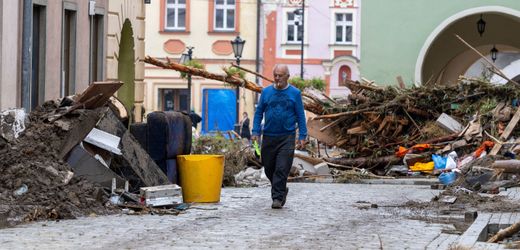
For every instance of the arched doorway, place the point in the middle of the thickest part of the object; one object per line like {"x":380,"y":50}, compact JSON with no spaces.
{"x":126,"y":66}
{"x":444,"y":58}
{"x":344,"y":73}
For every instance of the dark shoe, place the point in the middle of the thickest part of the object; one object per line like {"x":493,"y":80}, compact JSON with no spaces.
{"x":277,"y":204}
{"x":285,"y":196}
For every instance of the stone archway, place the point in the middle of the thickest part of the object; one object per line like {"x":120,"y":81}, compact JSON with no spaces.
{"x":443,"y":57}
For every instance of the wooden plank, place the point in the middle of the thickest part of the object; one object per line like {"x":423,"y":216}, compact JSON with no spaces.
{"x":509,"y":166}
{"x":327,"y":137}
{"x":510,"y":127}
{"x":78,"y":133}
{"x":357,"y":130}
{"x":400,"y":81}
{"x":106,"y":89}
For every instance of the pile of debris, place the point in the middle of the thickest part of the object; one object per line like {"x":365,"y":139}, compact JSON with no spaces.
{"x":237,"y":152}
{"x":35,"y":183}
{"x":61,"y":160}
{"x":438,"y":130}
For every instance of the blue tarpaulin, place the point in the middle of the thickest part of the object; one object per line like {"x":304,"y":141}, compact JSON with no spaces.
{"x":218,"y":109}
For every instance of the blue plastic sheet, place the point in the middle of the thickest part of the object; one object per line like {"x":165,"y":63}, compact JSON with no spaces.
{"x":219,"y":110}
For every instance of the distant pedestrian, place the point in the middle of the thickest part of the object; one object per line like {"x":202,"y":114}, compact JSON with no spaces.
{"x":245,"y":131}
{"x":282,"y":106}
{"x":195,"y":119}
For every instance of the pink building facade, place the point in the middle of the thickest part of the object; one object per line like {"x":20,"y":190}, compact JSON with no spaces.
{"x":331,"y":40}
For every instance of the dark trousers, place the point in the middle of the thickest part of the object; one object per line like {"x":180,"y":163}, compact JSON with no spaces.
{"x":277,"y":158}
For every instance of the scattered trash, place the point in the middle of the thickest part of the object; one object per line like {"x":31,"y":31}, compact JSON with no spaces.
{"x":12,"y":123}
{"x":160,"y":195}
{"x":252,"y":177}
{"x":448,"y":199}
{"x":20,"y":191}
{"x":447,"y":178}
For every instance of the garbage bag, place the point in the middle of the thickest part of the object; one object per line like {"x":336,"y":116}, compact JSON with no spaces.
{"x":439,"y":161}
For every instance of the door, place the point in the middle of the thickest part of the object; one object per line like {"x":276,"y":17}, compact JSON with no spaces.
{"x":218,"y":110}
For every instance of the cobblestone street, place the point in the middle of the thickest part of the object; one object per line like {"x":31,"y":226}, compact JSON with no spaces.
{"x":315,"y":216}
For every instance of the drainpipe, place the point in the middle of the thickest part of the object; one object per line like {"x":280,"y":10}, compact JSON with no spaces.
{"x":27,"y":53}
{"x":257,"y":66}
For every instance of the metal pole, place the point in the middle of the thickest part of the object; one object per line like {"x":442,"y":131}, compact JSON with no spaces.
{"x":238,"y":95}
{"x":190,"y":53}
{"x":303,"y":36}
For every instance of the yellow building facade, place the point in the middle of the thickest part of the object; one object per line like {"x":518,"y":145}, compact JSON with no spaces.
{"x":172,"y":26}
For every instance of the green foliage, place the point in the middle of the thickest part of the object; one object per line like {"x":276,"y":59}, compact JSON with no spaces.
{"x":488,"y":105}
{"x":235,"y":71}
{"x":194,"y":64}
{"x":234,"y":154}
{"x":301,"y":84}
{"x":298,"y":82}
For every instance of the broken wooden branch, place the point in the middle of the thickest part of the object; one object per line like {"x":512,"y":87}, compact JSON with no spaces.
{"x":332,"y":124}
{"x":413,"y":121}
{"x":510,"y":127}
{"x":509,"y":166}
{"x":353,"y":85}
{"x":76,"y":106}
{"x":441,"y":139}
{"x":252,"y":72}
{"x":364,"y":160}
{"x":501,"y":74}
{"x":504,"y":233}
{"x":309,"y":103}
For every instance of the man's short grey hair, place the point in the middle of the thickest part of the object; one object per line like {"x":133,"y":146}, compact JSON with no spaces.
{"x":282,"y":66}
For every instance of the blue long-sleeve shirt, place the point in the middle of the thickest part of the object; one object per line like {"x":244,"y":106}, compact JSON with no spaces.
{"x":283,"y":109}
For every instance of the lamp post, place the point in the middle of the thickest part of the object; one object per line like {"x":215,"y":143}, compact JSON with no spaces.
{"x":302,"y":30}
{"x":186,"y":57}
{"x":238,"y":47}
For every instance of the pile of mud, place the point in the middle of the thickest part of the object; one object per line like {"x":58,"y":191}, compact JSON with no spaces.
{"x":466,"y":201}
{"x":35,"y":184}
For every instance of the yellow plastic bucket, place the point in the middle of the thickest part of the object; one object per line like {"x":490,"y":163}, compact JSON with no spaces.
{"x":201,"y":177}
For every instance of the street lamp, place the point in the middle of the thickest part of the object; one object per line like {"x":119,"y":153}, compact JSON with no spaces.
{"x":494,"y":52}
{"x":481,"y":26}
{"x":238,"y":47}
{"x":185,"y":58}
{"x":301,"y":15}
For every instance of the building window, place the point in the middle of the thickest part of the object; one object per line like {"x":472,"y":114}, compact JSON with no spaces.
{"x":294,"y":32}
{"x":345,"y":73}
{"x":96,"y":51}
{"x":344,"y":27}
{"x":175,"y":14}
{"x":68,"y":60}
{"x":173,"y":99}
{"x":225,"y":15}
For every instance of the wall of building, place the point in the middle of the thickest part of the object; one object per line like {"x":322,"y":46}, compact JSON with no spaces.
{"x":213,"y":49}
{"x":323,"y":56}
{"x":118,"y":12}
{"x":394,"y":33}
{"x":11,"y":48}
{"x":10,"y":23}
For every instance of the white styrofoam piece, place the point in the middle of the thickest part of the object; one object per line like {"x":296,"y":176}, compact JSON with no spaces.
{"x":448,"y":123}
{"x":104,"y":140}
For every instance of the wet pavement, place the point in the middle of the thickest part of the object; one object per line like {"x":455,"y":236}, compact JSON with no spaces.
{"x":316,"y":216}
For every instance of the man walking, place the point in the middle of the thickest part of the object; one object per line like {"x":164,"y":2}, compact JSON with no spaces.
{"x":281,"y":105}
